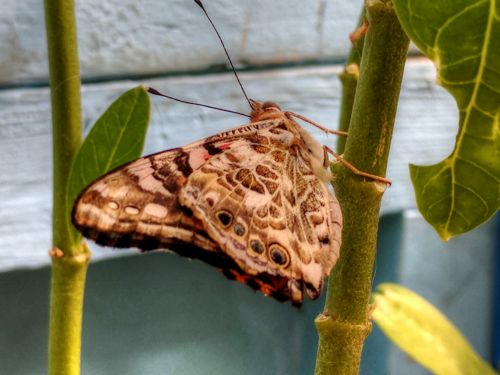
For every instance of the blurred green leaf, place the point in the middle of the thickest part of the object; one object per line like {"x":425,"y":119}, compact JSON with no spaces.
{"x":115,"y":139}
{"x":462,"y":37}
{"x":424,"y":333}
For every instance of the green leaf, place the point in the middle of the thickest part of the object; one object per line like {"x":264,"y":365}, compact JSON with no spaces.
{"x":115,"y":139}
{"x":424,"y":333}
{"x":462,"y":37}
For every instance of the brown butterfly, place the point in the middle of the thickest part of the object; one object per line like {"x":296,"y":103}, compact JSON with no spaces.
{"x":252,"y":201}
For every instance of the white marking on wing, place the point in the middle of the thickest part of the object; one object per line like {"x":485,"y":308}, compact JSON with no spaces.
{"x":155,"y":210}
{"x":131,"y":210}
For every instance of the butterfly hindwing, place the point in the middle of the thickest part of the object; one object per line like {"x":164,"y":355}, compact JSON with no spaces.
{"x":263,"y":203}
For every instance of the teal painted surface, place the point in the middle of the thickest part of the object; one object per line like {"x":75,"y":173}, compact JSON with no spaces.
{"x":376,"y":349}
{"x":162,"y":314}
{"x":24,"y":307}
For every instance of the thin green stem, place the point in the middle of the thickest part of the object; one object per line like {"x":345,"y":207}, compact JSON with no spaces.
{"x":66,"y":108}
{"x":70,"y":258}
{"x":66,"y":305}
{"x":349,"y":79}
{"x":346,"y":321}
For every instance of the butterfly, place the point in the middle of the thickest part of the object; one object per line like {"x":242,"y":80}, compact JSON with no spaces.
{"x":253,"y":201}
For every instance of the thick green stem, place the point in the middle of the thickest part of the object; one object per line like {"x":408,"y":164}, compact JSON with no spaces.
{"x":70,"y":258}
{"x":346,"y":321}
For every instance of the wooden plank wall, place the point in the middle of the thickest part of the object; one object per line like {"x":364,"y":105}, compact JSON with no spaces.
{"x":123,"y":39}
{"x":25,"y":135}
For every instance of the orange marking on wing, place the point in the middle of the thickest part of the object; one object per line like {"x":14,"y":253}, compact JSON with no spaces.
{"x":241,"y":278}
{"x":265,"y":289}
{"x":181,"y":181}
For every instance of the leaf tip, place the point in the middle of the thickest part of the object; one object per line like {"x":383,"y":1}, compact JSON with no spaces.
{"x":444,"y":234}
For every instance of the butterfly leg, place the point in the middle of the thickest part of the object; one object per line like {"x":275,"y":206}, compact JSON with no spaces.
{"x":314,"y":123}
{"x":346,"y":164}
{"x":355,"y":170}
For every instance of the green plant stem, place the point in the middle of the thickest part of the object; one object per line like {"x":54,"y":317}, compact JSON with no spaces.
{"x":346,"y":321}
{"x":66,"y":304}
{"x":70,"y":263}
{"x":349,"y":79}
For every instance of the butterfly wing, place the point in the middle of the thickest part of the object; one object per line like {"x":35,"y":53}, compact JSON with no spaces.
{"x":136,"y":205}
{"x":264,"y":204}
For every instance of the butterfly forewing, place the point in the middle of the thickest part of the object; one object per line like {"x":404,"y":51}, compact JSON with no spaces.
{"x":263,"y":203}
{"x":137,"y":204}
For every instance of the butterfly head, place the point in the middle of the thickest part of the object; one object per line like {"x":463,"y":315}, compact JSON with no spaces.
{"x":264,"y":111}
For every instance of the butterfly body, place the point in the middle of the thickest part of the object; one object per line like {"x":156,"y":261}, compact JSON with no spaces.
{"x":252,"y":201}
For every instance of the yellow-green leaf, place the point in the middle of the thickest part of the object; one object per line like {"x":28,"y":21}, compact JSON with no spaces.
{"x":462,"y":37}
{"x":424,"y":333}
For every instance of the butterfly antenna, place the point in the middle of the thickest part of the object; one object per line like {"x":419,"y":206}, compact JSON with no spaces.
{"x":225,"y":50}
{"x":156,"y":92}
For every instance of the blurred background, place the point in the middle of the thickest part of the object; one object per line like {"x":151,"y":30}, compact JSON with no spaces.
{"x":162,"y":314}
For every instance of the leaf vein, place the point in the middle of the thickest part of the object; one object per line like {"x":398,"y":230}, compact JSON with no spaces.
{"x":460,"y":61}
{"x":470,"y":190}
{"x":458,"y":213}
{"x":483,"y":111}
{"x":492,"y":68}
{"x":480,"y":167}
{"x":492,"y":88}
{"x":431,"y":206}
{"x":454,"y":17}
{"x":457,"y":83}
{"x":430,"y":180}
{"x":122,"y":132}
{"x":466,"y":123}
